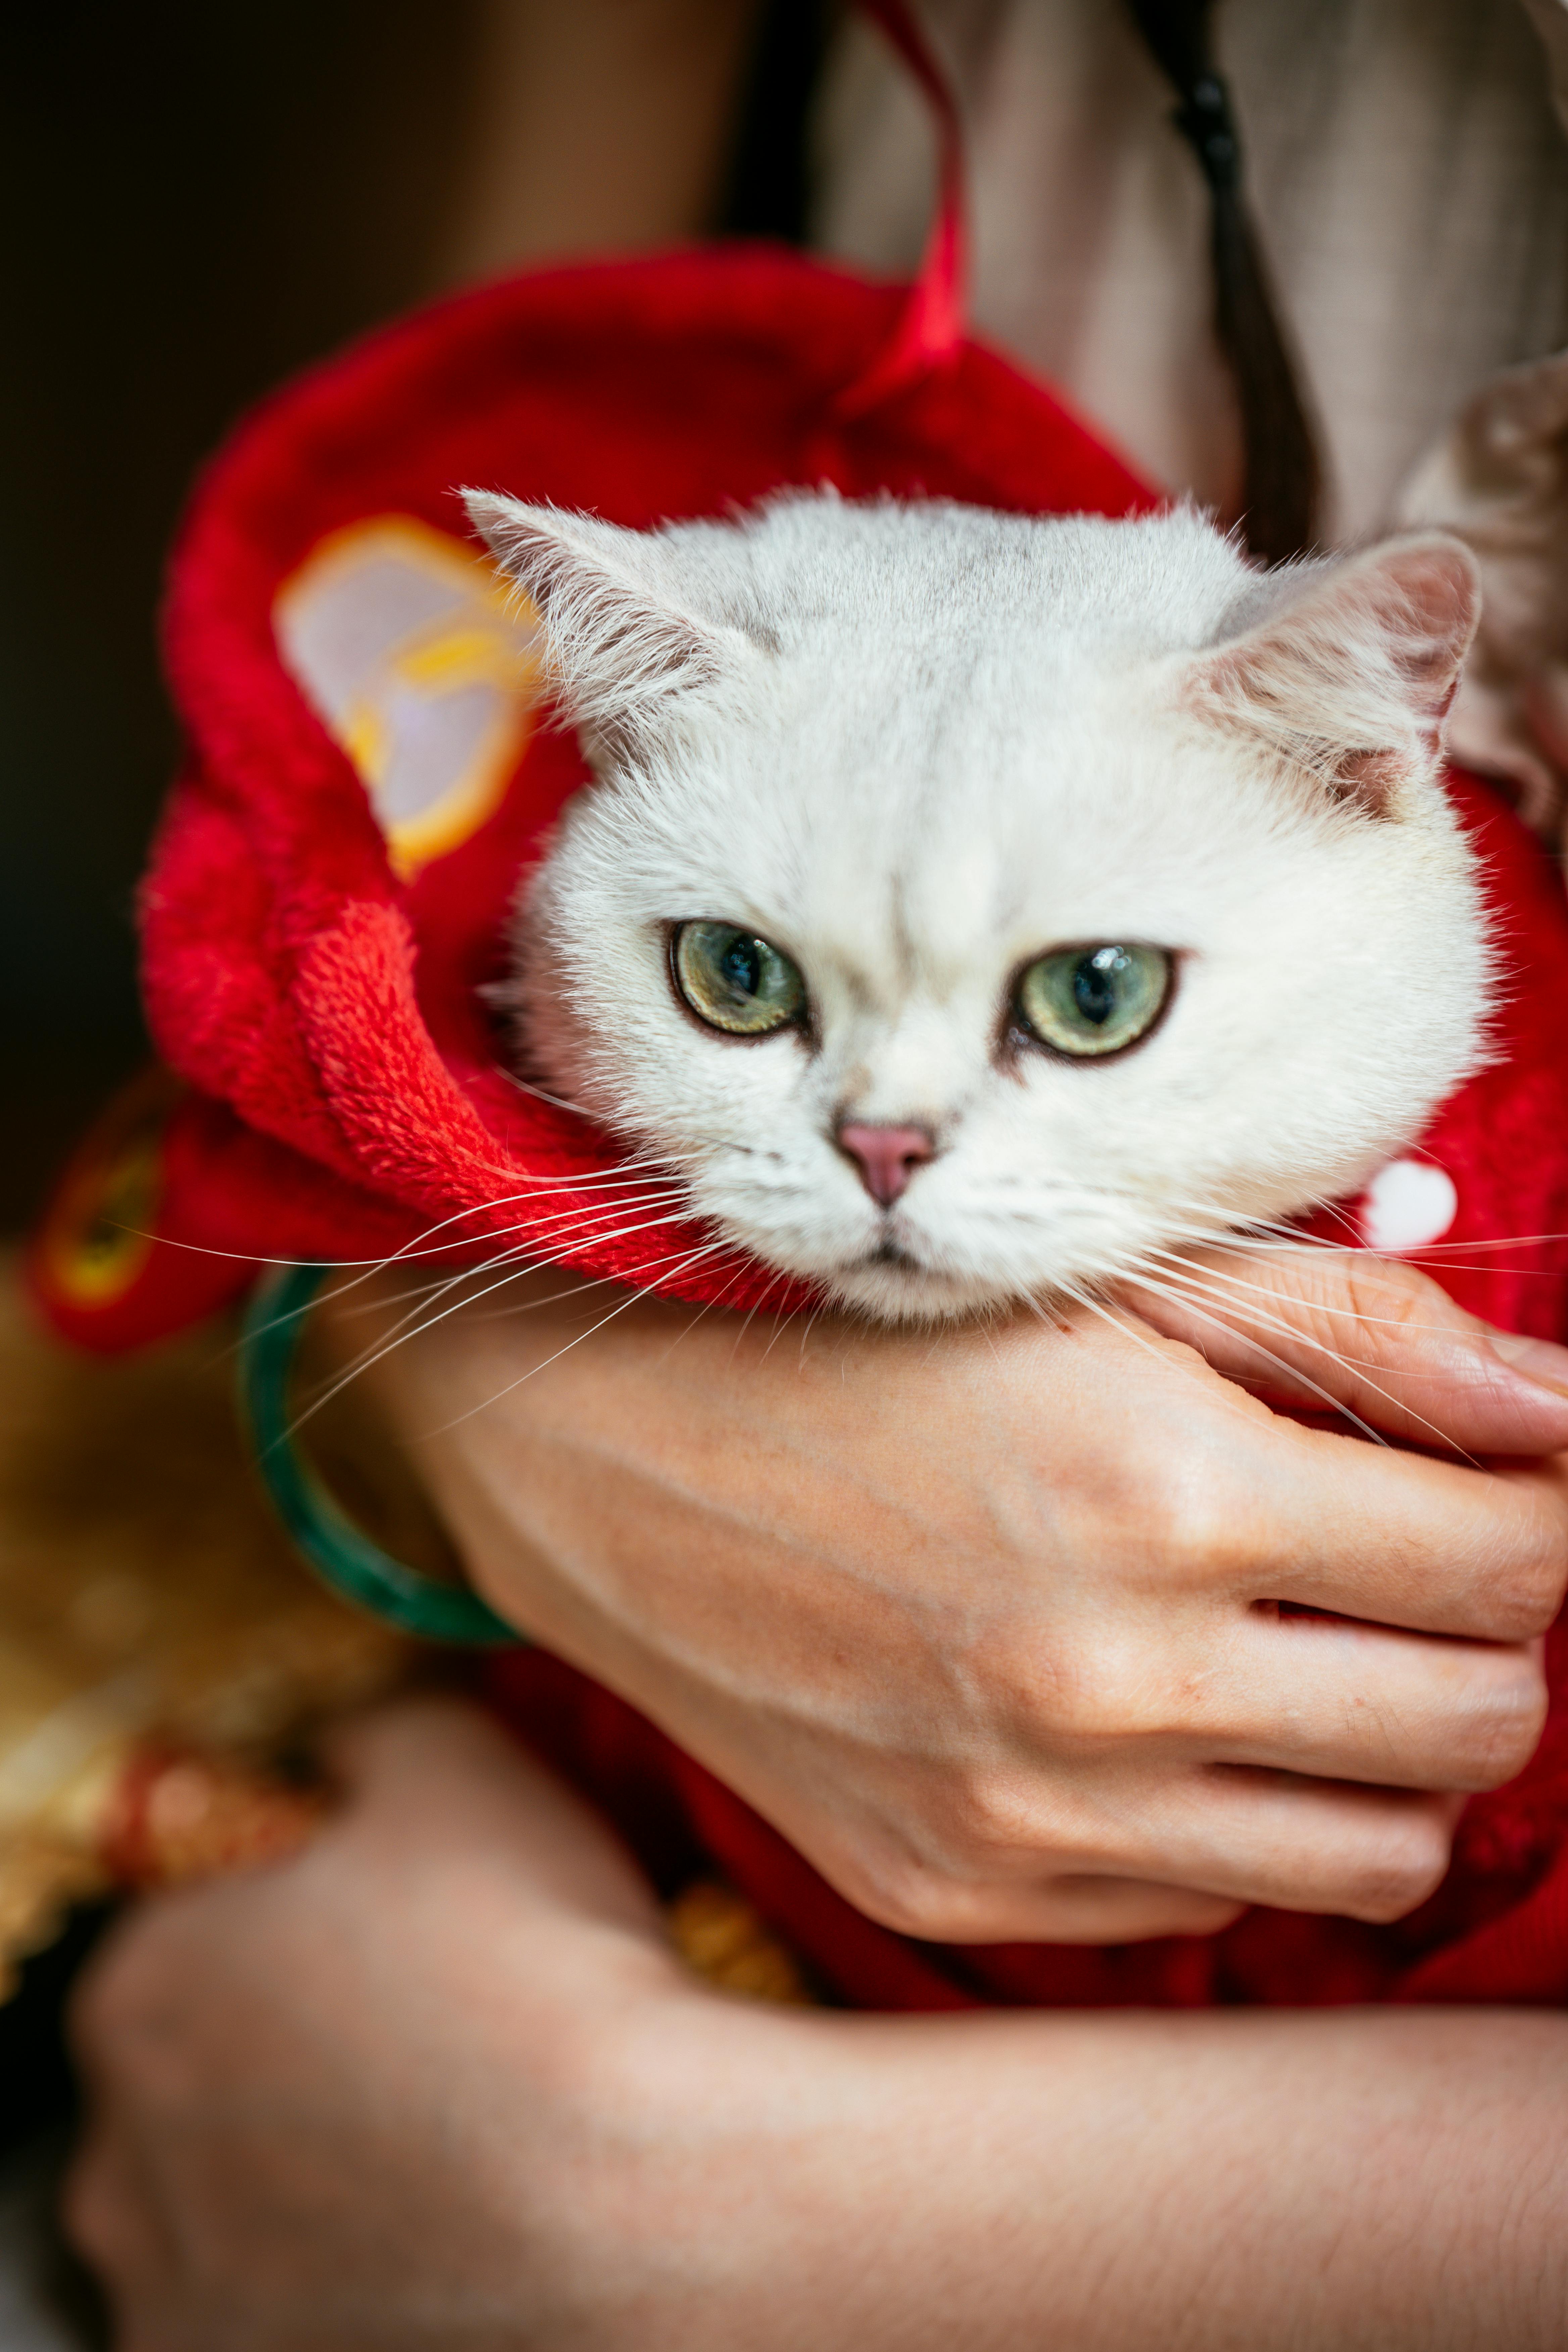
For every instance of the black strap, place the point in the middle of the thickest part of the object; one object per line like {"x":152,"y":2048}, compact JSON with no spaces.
{"x":1282,"y":476}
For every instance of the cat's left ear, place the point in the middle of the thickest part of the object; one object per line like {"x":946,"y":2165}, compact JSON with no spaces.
{"x":1353,"y":679}
{"x":626,"y":649}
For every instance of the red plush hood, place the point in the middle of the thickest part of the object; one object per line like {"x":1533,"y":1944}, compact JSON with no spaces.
{"x":314,"y":972}
{"x":371,"y":769}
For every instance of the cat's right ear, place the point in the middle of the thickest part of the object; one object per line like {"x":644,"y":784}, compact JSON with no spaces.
{"x":624,"y":648}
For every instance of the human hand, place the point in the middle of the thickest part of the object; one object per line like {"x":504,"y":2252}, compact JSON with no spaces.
{"x":378,"y":2096}
{"x":982,"y":1621}
{"x":1499,"y":481}
{"x":440,"y":2082}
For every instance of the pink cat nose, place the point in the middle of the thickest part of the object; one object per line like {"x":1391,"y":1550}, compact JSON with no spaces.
{"x":887,"y":1157}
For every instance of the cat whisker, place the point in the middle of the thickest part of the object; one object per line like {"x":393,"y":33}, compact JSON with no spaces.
{"x":694,"y":1153}
{"x":551,"y":1228}
{"x":555,"y":1298}
{"x":1198,"y":1282}
{"x":536,"y":1233}
{"x":529,"y":1247}
{"x":366,"y":1267}
{"x":409,"y":1327}
{"x":682,"y":1265}
{"x":1366,"y":1278}
{"x":1501,"y":1241}
{"x":716,"y":1300}
{"x":1198,"y":1289}
{"x":1163,"y":1286}
{"x":781,"y":1324}
{"x":1097,"y":1307}
{"x":1222,"y":1277}
{"x":778,"y":1283}
{"x":541,"y":1094}
{"x":810,"y":1326}
{"x":1514,"y":1273}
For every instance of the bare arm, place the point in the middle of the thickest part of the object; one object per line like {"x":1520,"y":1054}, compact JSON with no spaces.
{"x":440,"y":2082}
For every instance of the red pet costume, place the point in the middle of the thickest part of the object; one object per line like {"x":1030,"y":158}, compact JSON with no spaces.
{"x":328,"y":892}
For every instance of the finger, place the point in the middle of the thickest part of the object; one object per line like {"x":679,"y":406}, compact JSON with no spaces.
{"x":1400,"y":1540}
{"x":1297,"y":1845}
{"x":1342,"y":1702}
{"x":1183,"y":1857}
{"x":1098,"y":1899}
{"x":1373,"y":1336}
{"x":1090,"y":1907}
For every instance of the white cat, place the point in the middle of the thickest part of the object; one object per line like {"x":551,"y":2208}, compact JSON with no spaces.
{"x":967,"y":907}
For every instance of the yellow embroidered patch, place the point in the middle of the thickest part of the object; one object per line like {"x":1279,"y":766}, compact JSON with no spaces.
{"x":422,"y":667}
{"x":98,"y":1233}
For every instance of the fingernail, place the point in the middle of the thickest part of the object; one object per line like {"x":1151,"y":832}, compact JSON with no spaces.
{"x":1540,"y":1360}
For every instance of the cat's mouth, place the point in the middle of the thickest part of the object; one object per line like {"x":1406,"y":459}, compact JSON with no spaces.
{"x":899,"y":1285}
{"x":888,"y":1252}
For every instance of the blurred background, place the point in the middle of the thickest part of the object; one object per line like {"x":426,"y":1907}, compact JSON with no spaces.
{"x":198,"y":202}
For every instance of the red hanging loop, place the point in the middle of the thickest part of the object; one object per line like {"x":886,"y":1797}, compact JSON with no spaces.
{"x":931,"y":326}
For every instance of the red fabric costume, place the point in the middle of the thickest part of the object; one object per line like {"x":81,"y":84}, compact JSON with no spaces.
{"x":317,"y":992}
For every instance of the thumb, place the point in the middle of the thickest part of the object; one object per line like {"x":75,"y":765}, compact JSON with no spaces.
{"x":1376,"y":1337}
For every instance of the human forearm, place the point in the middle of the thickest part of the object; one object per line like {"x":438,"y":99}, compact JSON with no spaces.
{"x":1276,"y":2183}
{"x":441,"y":2081}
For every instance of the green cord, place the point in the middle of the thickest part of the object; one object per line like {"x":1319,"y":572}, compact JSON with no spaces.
{"x":340,"y":1553}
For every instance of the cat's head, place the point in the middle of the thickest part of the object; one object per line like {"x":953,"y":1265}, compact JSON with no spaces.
{"x":967,"y":905}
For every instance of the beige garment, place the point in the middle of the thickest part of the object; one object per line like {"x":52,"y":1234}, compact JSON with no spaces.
{"x":1408,"y":171}
{"x":1409,"y":178}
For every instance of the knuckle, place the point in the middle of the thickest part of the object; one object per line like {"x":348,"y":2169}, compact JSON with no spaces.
{"x":1120,"y":1693}
{"x":1101,"y":1695}
{"x":1504,"y":1730}
{"x":982,"y":1822}
{"x":1205,"y":1523}
{"x":913,"y":1899}
{"x":1517,"y":1604}
{"x":1387,"y":1301}
{"x":1085,"y":1698}
{"x":1382,"y":1289}
{"x":980,"y":1863}
{"x":1365,"y":1314}
{"x":1400,"y":1870}
{"x":1528,"y":1592}
{"x":935,"y":1884}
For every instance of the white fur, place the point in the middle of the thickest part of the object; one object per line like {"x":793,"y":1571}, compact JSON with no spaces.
{"x":916,"y":746}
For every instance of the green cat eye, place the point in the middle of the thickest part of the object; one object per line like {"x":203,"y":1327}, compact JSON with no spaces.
{"x":734,"y":980}
{"x":1094,"y":999}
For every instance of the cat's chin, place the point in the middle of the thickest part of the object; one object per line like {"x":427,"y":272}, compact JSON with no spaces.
{"x":891,"y":1288}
